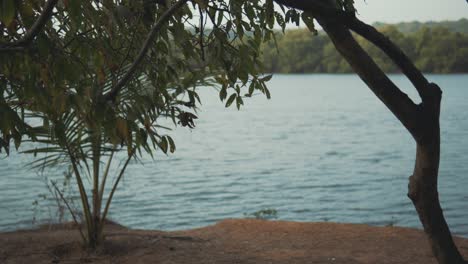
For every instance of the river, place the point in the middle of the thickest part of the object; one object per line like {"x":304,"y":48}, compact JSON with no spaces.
{"x":322,"y":149}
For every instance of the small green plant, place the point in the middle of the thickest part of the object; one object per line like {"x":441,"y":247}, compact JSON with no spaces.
{"x":36,"y":207}
{"x":265,"y":214}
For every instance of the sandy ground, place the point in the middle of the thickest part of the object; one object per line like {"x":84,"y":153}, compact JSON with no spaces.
{"x":229,"y":241}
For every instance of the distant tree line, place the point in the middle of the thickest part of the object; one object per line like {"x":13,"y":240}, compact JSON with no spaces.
{"x":460,"y":25}
{"x":434,"y":49}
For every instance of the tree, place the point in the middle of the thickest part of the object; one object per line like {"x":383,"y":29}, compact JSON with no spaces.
{"x":421,"y":120}
{"x":98,"y":95}
{"x":77,"y":80}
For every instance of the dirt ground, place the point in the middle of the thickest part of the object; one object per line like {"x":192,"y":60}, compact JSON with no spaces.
{"x":230,"y":241}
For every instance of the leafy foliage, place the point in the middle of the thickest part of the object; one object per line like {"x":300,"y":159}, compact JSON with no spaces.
{"x":78,"y":82}
{"x":264,"y":214}
{"x":69,"y":87}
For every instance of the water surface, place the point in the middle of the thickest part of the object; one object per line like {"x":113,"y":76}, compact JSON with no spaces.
{"x":322,"y":149}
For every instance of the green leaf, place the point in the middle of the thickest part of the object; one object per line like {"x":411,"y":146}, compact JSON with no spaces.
{"x":251,"y":88}
{"x":250,"y":12}
{"x":163,"y":144}
{"x":243,"y":74}
{"x":223,"y":93}
{"x":27,"y":13}
{"x":202,"y":3}
{"x":42,"y":150}
{"x":231,"y":99}
{"x":266,"y":78}
{"x":121,"y":128}
{"x":7,"y":11}
{"x":172,"y":146}
{"x":267,"y":92}
{"x":17,"y":139}
{"x":309,"y":21}
{"x":270,"y":15}
{"x":239,"y":102}
{"x":220,"y":18}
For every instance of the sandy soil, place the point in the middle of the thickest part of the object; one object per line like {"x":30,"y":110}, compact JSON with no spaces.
{"x":229,"y":241}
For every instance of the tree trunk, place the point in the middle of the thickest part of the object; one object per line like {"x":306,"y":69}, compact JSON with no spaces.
{"x":422,"y":190}
{"x":94,"y":239}
{"x":422,"y":187}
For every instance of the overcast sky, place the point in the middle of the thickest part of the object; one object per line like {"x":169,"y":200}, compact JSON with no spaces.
{"x":392,"y":11}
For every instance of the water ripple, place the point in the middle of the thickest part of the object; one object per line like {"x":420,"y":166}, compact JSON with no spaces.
{"x":315,"y":152}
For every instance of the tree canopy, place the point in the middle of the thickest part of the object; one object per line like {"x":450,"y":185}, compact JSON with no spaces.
{"x":85,"y":79}
{"x":82,"y":63}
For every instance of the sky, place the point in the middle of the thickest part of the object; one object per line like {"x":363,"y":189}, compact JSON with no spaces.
{"x":392,"y":11}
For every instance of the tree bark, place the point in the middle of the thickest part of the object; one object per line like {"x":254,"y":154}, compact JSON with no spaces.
{"x":422,"y":190}
{"x":422,"y":120}
{"x":422,"y":187}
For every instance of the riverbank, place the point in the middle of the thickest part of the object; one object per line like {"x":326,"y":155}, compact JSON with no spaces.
{"x":229,"y":241}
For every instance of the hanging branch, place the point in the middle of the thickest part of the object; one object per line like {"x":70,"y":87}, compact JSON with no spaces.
{"x":397,"y":101}
{"x":110,"y":96}
{"x":22,"y":43}
{"x":202,"y":46}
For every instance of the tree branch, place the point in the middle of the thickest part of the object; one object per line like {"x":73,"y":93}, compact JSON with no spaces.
{"x":110,"y":96}
{"x":371,"y":34}
{"x":22,"y":43}
{"x":393,"y":52}
{"x":397,"y":101}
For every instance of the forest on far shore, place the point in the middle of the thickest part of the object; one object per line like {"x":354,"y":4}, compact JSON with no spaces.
{"x":435,"y":47}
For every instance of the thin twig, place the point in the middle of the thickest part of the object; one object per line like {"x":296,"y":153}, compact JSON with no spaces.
{"x":77,"y":36}
{"x":127,"y":54}
{"x":69,"y":209}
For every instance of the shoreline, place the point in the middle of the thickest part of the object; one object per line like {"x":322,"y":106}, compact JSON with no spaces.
{"x":228,"y":241}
